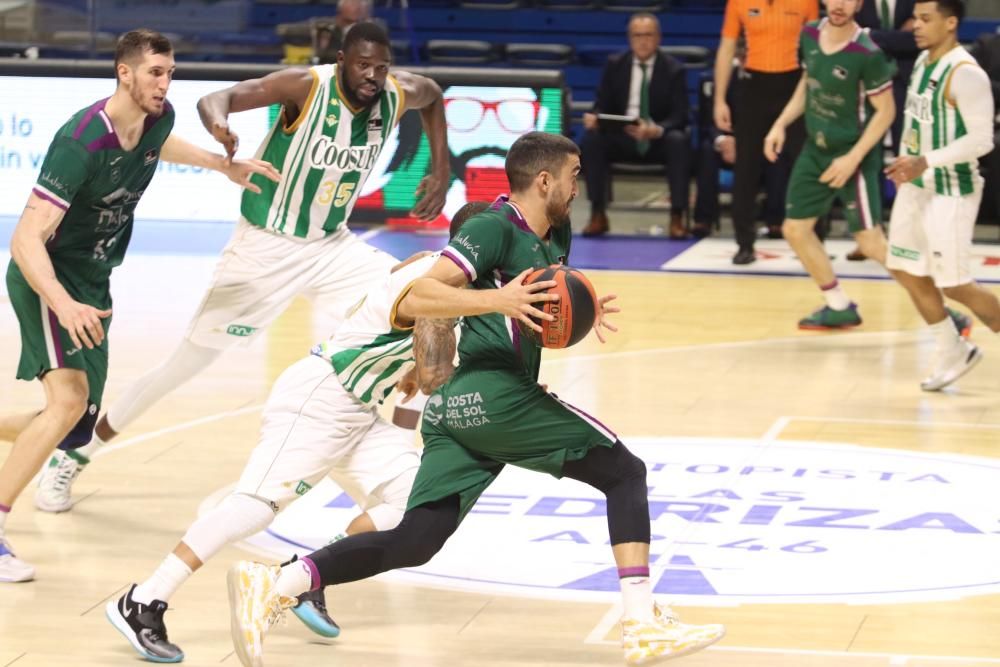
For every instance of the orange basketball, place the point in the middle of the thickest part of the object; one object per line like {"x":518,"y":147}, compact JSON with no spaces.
{"x":575,"y":311}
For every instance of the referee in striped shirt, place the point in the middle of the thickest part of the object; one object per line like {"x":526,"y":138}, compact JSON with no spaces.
{"x":771,"y":29}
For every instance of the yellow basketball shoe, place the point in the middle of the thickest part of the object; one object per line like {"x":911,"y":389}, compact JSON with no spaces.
{"x":665,"y":638}
{"x":254,"y":606}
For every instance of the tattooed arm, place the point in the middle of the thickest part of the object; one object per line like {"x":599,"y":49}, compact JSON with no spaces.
{"x":434,"y":351}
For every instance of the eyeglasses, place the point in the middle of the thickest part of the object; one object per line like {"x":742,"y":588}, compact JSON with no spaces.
{"x":465,"y":114}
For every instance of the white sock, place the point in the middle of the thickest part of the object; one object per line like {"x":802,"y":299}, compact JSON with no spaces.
{"x":637,"y":595}
{"x":3,"y":519}
{"x":186,"y":361}
{"x":165,"y":581}
{"x":295,"y":579}
{"x":835,"y":296}
{"x":88,"y":450}
{"x":946,"y":335}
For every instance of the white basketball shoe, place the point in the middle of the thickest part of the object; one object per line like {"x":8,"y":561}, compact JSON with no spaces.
{"x":55,"y":486}
{"x":12,"y":568}
{"x":952,"y":365}
{"x":254,"y":607}
{"x":665,"y":638}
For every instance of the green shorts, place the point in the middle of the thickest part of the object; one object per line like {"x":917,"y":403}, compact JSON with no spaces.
{"x":482,"y":420}
{"x":45,"y":345}
{"x":861,"y":196}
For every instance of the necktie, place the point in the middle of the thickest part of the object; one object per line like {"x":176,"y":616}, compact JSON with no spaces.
{"x":886,"y":16}
{"x":643,"y":146}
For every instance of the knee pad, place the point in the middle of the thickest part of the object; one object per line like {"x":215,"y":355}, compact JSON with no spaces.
{"x":81,"y":434}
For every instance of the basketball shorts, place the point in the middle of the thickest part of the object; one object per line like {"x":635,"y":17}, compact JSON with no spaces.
{"x":931,"y":235}
{"x":861,"y":196}
{"x":260,"y":273}
{"x":312,"y":427}
{"x":45,"y":345}
{"x":480,"y":421}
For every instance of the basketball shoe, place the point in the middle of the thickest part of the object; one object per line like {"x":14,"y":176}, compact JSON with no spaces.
{"x":254,"y":606}
{"x":311,"y":610}
{"x":55,"y":486}
{"x":828,"y":318}
{"x":142,"y":625}
{"x":12,"y":568}
{"x":665,"y":638}
{"x":951,"y":365}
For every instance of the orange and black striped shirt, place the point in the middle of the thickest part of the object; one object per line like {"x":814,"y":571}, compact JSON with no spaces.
{"x":772,"y":30}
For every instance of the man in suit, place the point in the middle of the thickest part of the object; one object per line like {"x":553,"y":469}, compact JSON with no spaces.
{"x":651,"y":86}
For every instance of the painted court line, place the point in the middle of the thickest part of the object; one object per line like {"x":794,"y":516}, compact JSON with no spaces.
{"x":807,"y":340}
{"x":177,"y":427}
{"x":889,"y":422}
{"x":610,"y":619}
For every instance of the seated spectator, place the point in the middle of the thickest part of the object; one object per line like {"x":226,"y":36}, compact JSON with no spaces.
{"x":328,"y":32}
{"x":650,"y":86}
{"x":325,"y":34}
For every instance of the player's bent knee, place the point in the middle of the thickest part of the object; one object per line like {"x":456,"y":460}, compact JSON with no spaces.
{"x":956,"y":291}
{"x":394,"y":495}
{"x":424,"y":530}
{"x":633,"y":468}
{"x":83,"y":430}
{"x":793,"y":230}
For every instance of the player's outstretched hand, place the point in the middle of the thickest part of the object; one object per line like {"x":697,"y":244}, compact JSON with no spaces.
{"x":839,"y":172}
{"x":601,"y":322}
{"x":240,"y":171}
{"x":222,"y":133}
{"x":774,"y":142}
{"x":83,"y":323}
{"x":431,"y":194}
{"x":515,"y":300}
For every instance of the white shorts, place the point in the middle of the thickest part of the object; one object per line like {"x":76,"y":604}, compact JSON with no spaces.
{"x":931,"y":235}
{"x":260,"y":273}
{"x":312,"y":427}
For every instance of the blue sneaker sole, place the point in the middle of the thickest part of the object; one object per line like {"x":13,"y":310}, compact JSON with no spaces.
{"x":314,"y":622}
{"x":126,"y":634}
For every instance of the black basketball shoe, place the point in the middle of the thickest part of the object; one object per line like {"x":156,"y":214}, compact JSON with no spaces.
{"x":143,"y":627}
{"x":311,"y":610}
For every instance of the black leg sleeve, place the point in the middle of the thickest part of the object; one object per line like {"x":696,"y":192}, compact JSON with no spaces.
{"x":420,"y":535}
{"x":621,"y":476}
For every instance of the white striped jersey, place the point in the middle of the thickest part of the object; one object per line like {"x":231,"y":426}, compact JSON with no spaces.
{"x":368,"y":353}
{"x":931,"y":122}
{"x":324,"y":158}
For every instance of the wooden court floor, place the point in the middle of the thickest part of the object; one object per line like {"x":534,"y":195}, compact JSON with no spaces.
{"x":715,"y":358}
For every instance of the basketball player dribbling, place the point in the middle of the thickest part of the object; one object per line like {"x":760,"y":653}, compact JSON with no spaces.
{"x":517,"y":423}
{"x":320,"y":419}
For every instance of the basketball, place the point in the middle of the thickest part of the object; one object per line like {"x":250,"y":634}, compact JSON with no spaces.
{"x":575,"y":311}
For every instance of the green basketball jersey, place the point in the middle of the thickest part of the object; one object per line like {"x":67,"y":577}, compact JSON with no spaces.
{"x":838,"y":86}
{"x":324,"y":158}
{"x":492,"y":248}
{"x":98,"y":184}
{"x":931,"y":122}
{"x":369,"y":352}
